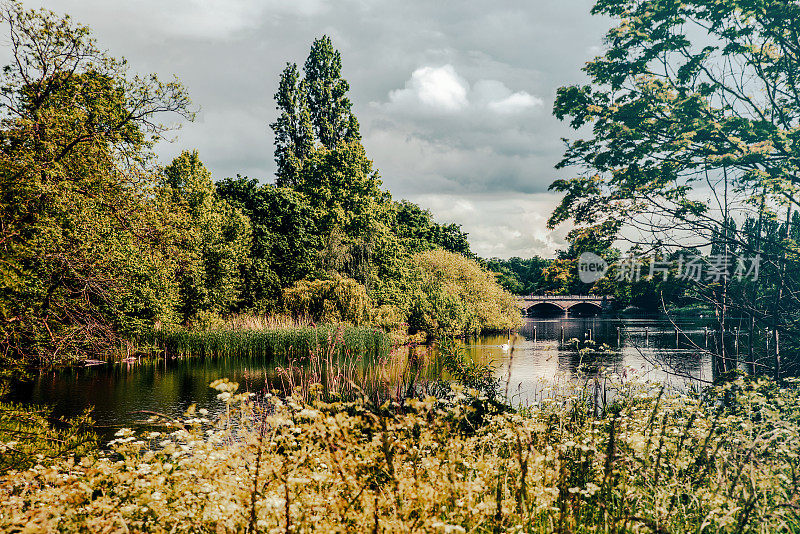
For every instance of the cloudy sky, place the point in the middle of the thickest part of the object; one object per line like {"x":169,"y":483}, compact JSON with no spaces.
{"x":454,"y":98}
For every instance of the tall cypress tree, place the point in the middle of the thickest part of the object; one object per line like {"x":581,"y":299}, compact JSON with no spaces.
{"x":294,"y":133}
{"x":330,"y":108}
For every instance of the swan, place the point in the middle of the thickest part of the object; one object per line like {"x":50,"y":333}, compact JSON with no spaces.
{"x":505,"y":346}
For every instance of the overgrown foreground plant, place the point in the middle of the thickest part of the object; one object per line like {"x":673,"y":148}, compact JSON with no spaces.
{"x":651,"y":462}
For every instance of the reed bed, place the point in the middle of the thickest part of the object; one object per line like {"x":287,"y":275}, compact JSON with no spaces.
{"x":270,"y":342}
{"x":326,"y":374}
{"x":244,"y":321}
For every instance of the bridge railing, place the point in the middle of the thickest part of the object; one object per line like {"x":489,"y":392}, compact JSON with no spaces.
{"x":567,"y":297}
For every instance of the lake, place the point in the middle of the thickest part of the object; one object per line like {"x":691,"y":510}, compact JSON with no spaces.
{"x":648,"y":345}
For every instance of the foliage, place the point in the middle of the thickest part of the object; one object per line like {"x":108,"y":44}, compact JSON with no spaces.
{"x":313,"y":109}
{"x":453,"y":295}
{"x":87,"y":256}
{"x":520,"y":276}
{"x":328,"y":104}
{"x":694,"y":114}
{"x":294,"y":133}
{"x":351,"y":212}
{"x":338,"y":299}
{"x":99,"y":246}
{"x":417,"y":231}
{"x":648,"y":462}
{"x":28,"y":437}
{"x":220,"y":236}
{"x":319,"y":155}
{"x":285,"y":240}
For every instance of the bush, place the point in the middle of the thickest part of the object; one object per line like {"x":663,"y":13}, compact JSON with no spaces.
{"x":205,"y":320}
{"x":336,"y":300}
{"x":453,"y":295}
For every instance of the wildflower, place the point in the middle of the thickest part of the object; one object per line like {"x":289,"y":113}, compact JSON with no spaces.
{"x":308,"y":413}
{"x":449,"y":529}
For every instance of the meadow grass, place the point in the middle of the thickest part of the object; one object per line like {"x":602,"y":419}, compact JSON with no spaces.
{"x":726,"y":461}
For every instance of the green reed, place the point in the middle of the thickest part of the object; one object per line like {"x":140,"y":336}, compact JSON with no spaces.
{"x":270,"y":343}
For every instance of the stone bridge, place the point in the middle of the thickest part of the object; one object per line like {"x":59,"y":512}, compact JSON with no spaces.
{"x":559,"y":304}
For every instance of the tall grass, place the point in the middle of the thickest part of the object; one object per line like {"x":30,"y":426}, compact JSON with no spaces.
{"x":271,"y":341}
{"x":329,"y":375}
{"x":652,"y":462}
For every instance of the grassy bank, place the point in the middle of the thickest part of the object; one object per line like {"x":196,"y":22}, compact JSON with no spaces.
{"x":649,"y":462}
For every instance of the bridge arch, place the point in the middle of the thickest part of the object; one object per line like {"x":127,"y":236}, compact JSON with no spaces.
{"x":559,"y":304}
{"x":545,"y":308}
{"x":585,"y":308}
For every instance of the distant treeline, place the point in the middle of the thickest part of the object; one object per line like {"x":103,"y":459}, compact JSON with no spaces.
{"x":559,"y":276}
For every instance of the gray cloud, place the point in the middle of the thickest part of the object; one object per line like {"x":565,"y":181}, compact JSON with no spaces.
{"x":454,"y":99}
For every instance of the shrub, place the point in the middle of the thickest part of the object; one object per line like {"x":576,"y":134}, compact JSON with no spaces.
{"x":453,"y":295}
{"x":335,"y":300}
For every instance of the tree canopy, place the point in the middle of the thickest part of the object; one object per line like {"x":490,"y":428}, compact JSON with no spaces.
{"x":84,"y":242}
{"x":694,"y":113}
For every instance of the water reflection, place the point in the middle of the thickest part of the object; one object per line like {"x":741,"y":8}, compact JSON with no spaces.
{"x":650,"y":347}
{"x":647,"y":345}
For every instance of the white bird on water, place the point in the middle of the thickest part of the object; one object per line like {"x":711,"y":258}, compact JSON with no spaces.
{"x":505,"y":346}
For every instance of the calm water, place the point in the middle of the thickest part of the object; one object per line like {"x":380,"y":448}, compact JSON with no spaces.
{"x":117,"y":391}
{"x":649,"y":347}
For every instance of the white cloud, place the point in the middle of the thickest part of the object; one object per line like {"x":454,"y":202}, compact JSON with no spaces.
{"x":438,"y":88}
{"x":515,"y":103}
{"x":498,"y":225}
{"x":495,"y":96}
{"x":442,"y":89}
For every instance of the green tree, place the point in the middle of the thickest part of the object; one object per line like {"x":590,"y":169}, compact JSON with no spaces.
{"x":320,"y":156}
{"x":285,"y":241}
{"x":353,"y":214}
{"x":221,"y":239}
{"x":520,"y":276}
{"x":695,"y":113}
{"x":86,"y":257}
{"x":418,"y":231}
{"x":326,"y":90}
{"x":314,"y":111}
{"x":294,"y":133}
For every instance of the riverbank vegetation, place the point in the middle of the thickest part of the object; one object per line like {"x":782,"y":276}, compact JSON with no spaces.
{"x":105,"y":251}
{"x":648,"y":461}
{"x":99,"y":242}
{"x":273,"y":342}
